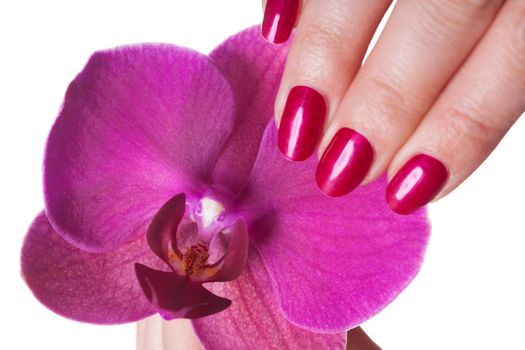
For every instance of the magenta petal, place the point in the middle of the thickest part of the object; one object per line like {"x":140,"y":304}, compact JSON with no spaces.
{"x":234,"y":261}
{"x":254,"y":320}
{"x":254,"y":68}
{"x":175,"y":296}
{"x":138,"y":125}
{"x":334,"y":262}
{"x":95,"y":288}
{"x":161,"y":231}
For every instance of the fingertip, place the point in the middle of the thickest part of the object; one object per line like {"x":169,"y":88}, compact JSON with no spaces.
{"x":416,"y":183}
{"x":302,"y":123}
{"x":345,"y":163}
{"x":279,"y":19}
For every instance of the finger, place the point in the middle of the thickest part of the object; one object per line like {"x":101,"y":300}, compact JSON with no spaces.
{"x":467,"y":122}
{"x":329,"y":44}
{"x":422,"y":45}
{"x":149,"y":333}
{"x":179,"y":334}
{"x":357,"y":339}
{"x":279,"y":19}
{"x":154,"y":333}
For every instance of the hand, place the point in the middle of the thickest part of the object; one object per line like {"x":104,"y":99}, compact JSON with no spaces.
{"x":154,"y":333}
{"x":442,"y":86}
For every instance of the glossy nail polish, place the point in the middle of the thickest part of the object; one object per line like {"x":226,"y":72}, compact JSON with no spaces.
{"x":416,"y":184}
{"x":279,"y":19}
{"x":344,"y":163}
{"x":301,"y":123}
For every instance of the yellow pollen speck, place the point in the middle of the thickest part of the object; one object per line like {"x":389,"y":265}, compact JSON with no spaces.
{"x":194,"y":258}
{"x":173,"y":256}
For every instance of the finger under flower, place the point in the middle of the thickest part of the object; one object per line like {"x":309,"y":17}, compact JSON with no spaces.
{"x":154,"y":333}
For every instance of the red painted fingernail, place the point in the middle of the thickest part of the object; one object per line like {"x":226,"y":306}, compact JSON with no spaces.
{"x":416,"y":184}
{"x":302,"y":123}
{"x":279,"y":18}
{"x":344,"y":163}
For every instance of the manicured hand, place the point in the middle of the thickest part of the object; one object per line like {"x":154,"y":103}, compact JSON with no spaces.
{"x":442,"y":86}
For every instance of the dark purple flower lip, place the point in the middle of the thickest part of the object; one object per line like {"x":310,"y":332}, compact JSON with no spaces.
{"x":200,"y":241}
{"x":177,"y":297}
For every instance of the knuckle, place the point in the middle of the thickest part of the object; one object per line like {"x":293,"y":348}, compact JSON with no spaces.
{"x":387,"y":96}
{"x":470,"y":6}
{"x":473,"y":125}
{"x":458,"y":13}
{"x":320,"y":40}
{"x":514,"y":31}
{"x":477,"y":5}
{"x":320,"y":53}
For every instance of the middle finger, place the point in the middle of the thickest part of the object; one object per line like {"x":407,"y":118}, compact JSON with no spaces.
{"x":423,"y":44}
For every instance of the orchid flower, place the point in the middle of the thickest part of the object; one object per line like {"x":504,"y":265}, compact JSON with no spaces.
{"x":165,"y":193}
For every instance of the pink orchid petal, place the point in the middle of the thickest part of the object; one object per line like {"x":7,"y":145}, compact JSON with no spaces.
{"x":138,"y":125}
{"x":254,"y":68}
{"x":232,"y":264}
{"x":88,"y":287}
{"x":254,"y":320}
{"x":163,"y":227}
{"x":334,"y":262}
{"x":176,"y":296}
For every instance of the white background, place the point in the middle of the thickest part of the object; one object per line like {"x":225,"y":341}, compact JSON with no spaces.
{"x":469,"y":294}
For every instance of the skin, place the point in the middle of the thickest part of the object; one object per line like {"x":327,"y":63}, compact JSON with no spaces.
{"x":154,"y":333}
{"x":446,"y":77}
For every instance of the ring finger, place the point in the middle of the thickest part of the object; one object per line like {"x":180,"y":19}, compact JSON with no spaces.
{"x":422,"y":45}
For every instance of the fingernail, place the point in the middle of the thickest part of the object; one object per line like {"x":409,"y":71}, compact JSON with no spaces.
{"x":416,"y":184}
{"x":302,"y":123}
{"x":279,"y":18}
{"x":344,"y":163}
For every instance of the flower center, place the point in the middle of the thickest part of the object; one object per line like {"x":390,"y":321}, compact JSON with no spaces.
{"x":201,"y":242}
{"x":198,"y":245}
{"x":194,"y":258}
